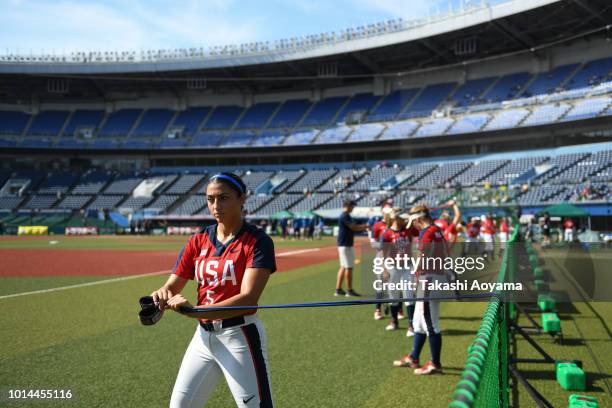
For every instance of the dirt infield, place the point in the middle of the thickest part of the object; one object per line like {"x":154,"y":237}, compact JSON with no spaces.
{"x":65,"y":262}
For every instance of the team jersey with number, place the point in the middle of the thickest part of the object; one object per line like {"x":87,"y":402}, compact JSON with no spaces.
{"x":219,"y":268}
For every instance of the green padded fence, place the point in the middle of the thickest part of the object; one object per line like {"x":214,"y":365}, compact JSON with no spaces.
{"x":484,"y":379}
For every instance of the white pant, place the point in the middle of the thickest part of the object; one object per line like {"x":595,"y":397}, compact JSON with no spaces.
{"x":489,"y":240}
{"x":375,"y":245}
{"x":427,"y":313}
{"x":396,"y":276}
{"x":347,"y":256}
{"x":569,"y":235}
{"x":238,"y":353}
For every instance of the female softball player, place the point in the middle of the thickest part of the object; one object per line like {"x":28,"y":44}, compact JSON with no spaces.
{"x":375,"y":232}
{"x":487,"y":230}
{"x":396,"y":240}
{"x":231,"y":262}
{"x":451,"y":229}
{"x":504,"y":234}
{"x":427,"y":312}
{"x":472,"y":239}
{"x":450,"y":225}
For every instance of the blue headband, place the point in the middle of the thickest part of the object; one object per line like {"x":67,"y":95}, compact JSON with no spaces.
{"x":230,"y":179}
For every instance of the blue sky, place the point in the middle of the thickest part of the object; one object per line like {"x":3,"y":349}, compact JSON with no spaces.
{"x":149,"y":24}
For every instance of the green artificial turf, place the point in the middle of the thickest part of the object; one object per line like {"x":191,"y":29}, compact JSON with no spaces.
{"x":130,"y":243}
{"x":89,"y":340}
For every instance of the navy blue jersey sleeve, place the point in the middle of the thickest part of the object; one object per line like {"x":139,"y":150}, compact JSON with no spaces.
{"x":262,"y":255}
{"x":346,"y":219}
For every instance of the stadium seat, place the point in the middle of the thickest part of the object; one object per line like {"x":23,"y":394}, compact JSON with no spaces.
{"x":222,"y":117}
{"x":470,"y":92}
{"x":119,"y":123}
{"x":434,"y":127}
{"x":507,"y":87}
{"x":82,"y":118}
{"x":48,"y":123}
{"x":392,"y":104}
{"x":13,"y":122}
{"x":257,"y":115}
{"x":360,"y":103}
{"x":548,"y":82}
{"x":289,"y":114}
{"x":269,"y":138}
{"x":429,"y":99}
{"x":190,"y":119}
{"x":324,"y":111}
{"x":153,"y":123}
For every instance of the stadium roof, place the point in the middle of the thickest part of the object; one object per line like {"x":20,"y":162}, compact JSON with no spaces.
{"x":520,"y":26}
{"x":357,"y":39}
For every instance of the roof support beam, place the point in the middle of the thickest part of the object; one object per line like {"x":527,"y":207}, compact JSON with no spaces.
{"x":366,"y":62}
{"x":434,"y":48}
{"x":524,"y":39}
{"x":590,"y":10}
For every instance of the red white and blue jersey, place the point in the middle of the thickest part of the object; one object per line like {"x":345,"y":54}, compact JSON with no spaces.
{"x":473,"y":230}
{"x":443,"y":224}
{"x":449,"y":229}
{"x":219,"y":268}
{"x":397,"y":242}
{"x":378,"y":229}
{"x":433,"y":245}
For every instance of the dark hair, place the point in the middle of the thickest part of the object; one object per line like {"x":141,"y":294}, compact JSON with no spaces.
{"x":349,"y":203}
{"x":231,"y":180}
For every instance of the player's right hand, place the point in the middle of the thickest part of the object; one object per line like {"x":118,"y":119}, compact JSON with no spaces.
{"x":161,"y":297}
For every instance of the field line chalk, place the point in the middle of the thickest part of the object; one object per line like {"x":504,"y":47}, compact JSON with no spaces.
{"x":84,"y":284}
{"x":124,"y":278}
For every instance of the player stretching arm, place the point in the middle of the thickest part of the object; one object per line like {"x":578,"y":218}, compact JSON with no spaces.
{"x":231,"y":262}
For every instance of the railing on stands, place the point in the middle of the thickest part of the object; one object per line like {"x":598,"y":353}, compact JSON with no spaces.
{"x":485,"y":378}
{"x":265,"y":48}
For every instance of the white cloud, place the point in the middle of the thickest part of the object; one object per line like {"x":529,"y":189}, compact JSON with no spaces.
{"x":151,"y":24}
{"x":76,"y":25}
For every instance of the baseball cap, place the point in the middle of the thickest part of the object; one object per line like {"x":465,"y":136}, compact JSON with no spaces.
{"x":349,"y":202}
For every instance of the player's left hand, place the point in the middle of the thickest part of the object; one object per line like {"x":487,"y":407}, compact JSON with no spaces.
{"x":177,"y":301}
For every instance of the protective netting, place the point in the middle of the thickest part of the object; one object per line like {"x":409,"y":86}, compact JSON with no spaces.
{"x":484,"y":380}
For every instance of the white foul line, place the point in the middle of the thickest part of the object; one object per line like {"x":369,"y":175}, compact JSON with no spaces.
{"x":80,"y":285}
{"x":300,"y":251}
{"x":124,"y":278}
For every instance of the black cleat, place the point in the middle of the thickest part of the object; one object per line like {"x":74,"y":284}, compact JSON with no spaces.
{"x":339,"y":292}
{"x":351,"y":292}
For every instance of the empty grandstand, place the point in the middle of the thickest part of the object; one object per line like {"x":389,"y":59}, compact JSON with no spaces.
{"x":401,"y":113}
